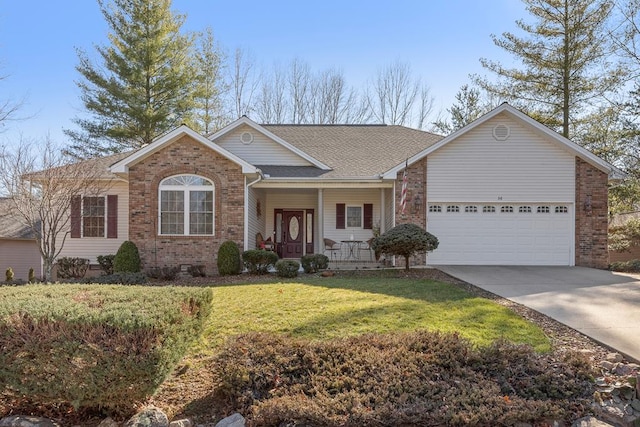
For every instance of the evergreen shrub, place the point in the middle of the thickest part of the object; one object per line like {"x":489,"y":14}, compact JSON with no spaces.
{"x":127,"y":259}
{"x":93,"y":347}
{"x":287,"y":268}
{"x":229,"y":261}
{"x":258,"y":261}
{"x":314,"y":263}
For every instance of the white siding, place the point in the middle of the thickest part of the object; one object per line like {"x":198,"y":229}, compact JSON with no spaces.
{"x":91,"y":247}
{"x":477,"y":167}
{"x":350,"y":198}
{"x":262,"y":151}
{"x":20,"y":255}
{"x":256,"y":225}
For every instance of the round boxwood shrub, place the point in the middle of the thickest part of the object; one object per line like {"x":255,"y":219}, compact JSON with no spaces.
{"x":314,"y":262}
{"x":127,"y":259}
{"x":287,"y":268}
{"x":229,"y":261}
{"x":258,"y":261}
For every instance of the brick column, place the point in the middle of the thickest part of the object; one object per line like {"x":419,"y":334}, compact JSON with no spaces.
{"x":416,"y":188}
{"x":592,"y":212}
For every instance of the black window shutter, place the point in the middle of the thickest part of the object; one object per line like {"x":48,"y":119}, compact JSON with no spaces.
{"x":340,"y":214}
{"x":368,"y":216}
{"x":112,"y":216}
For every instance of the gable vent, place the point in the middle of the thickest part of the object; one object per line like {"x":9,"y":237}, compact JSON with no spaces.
{"x":501,"y":132}
{"x":246,"y":137}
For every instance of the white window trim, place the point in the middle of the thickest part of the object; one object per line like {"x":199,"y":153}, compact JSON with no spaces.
{"x":186,"y":189}
{"x":346,"y":217}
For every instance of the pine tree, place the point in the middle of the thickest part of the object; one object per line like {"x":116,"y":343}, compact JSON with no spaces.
{"x":565,"y":61}
{"x":469,"y":106}
{"x":210,"y":86}
{"x":143,"y":86}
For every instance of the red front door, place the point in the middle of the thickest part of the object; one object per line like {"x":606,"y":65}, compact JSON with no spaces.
{"x":292,"y":234}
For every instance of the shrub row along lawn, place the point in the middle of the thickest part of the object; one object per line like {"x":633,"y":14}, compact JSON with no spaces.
{"x":352,"y":351}
{"x":94,"y":346}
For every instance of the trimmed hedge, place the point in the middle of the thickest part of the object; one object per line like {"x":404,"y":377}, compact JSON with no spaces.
{"x":314,"y":263}
{"x":258,"y":261}
{"x":72,"y":268}
{"x":420,"y":378}
{"x":127,"y":259}
{"x":229,"y":262}
{"x":287,"y":268}
{"x":95,"y":347}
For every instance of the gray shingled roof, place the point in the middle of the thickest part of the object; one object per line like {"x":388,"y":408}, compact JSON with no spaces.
{"x":11,"y":225}
{"x":274,"y":171}
{"x":356,"y":151}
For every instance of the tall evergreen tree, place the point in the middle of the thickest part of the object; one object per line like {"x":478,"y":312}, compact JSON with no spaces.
{"x":210,"y":86}
{"x":143,"y":86}
{"x":469,"y":106}
{"x":565,"y":61}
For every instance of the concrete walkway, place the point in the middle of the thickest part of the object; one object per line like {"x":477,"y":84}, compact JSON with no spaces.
{"x":602,"y":305}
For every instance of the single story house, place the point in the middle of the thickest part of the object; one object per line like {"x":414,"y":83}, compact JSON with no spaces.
{"x":504,"y":190}
{"x":18,"y":248}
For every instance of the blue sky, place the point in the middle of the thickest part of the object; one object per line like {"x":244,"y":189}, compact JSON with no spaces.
{"x":441,"y":39}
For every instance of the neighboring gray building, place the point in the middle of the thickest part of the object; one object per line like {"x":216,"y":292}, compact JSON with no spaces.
{"x":18,"y":248}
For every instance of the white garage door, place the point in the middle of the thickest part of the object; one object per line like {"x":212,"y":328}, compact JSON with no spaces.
{"x":501,"y":234}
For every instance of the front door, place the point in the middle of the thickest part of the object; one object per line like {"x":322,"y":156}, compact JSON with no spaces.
{"x":292,"y":234}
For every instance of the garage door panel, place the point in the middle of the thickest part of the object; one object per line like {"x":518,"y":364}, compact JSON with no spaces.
{"x":526,"y":235}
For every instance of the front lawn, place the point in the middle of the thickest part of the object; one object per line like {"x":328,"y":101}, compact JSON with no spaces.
{"x":328,"y":310}
{"x":324,"y":308}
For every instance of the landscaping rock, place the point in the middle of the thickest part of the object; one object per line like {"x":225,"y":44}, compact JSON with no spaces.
{"x":181,"y":423}
{"x":108,"y":422}
{"x":590,"y":422}
{"x":614,"y":357}
{"x":149,"y":417}
{"x":624,"y":369}
{"x":27,"y":421}
{"x":235,"y":420}
{"x":607,"y":366}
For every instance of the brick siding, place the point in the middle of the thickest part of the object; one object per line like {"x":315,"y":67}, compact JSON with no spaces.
{"x":184,"y":156}
{"x":591,"y":221}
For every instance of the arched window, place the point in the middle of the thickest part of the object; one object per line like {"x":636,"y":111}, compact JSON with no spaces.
{"x":186,"y":205}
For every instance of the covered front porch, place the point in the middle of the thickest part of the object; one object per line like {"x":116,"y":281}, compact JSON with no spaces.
{"x":336,"y":221}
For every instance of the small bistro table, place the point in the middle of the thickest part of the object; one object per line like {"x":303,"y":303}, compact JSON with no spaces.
{"x":351,"y":246}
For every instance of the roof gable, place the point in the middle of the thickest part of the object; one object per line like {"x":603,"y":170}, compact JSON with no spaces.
{"x":525,"y":120}
{"x":122,"y":166}
{"x":290,"y":154}
{"x":356,"y":151}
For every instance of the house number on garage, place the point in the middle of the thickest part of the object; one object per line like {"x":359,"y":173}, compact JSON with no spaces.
{"x":499,"y":197}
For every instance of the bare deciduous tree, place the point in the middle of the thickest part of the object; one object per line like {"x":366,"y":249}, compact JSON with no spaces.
{"x":41,"y":183}
{"x":243,"y":83}
{"x":299,"y":80}
{"x":392,"y":95}
{"x":271,"y":106}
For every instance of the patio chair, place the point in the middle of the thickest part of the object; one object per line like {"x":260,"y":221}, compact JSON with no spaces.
{"x":366,"y":246}
{"x":334,"y":248}
{"x":267,"y":245}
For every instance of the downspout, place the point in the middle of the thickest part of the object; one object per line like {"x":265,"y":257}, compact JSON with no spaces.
{"x":246,"y":205}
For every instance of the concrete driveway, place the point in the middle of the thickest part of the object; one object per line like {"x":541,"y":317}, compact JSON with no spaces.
{"x":602,"y":305}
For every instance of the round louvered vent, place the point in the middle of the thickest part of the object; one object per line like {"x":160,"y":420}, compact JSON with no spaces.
{"x":246,"y":137}
{"x":501,"y":132}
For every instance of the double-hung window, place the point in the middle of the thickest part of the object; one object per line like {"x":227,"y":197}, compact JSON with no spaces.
{"x":186,"y":206}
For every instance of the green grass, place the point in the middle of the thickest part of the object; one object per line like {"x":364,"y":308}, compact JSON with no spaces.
{"x":324,"y":308}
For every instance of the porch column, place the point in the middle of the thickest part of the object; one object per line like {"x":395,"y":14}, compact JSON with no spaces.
{"x":383,"y":211}
{"x":320,"y":219}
